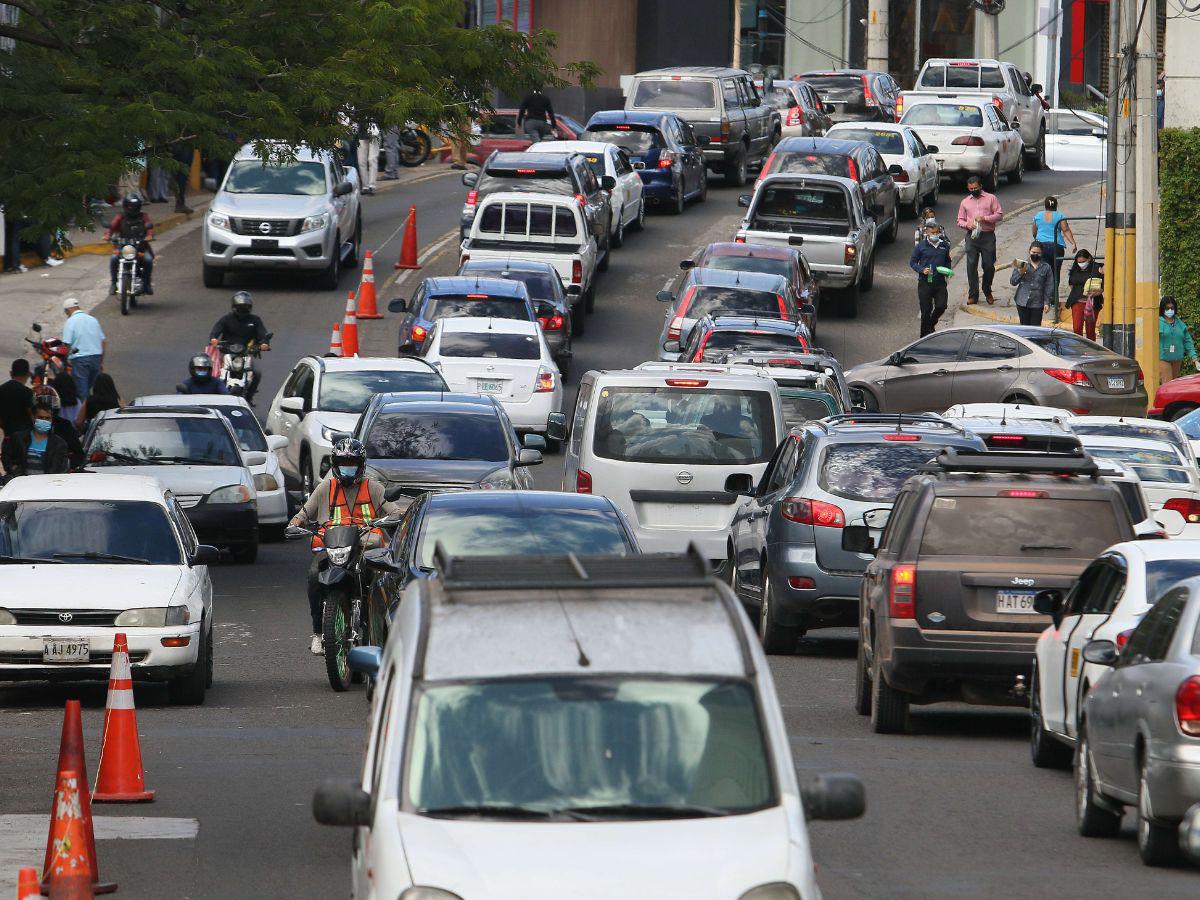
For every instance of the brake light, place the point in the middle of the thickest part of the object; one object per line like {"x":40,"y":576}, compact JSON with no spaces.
{"x":900,"y":177}
{"x":868,"y":97}
{"x":1186,"y":507}
{"x":545,"y":381}
{"x":766,"y":167}
{"x":666,"y":159}
{"x":551,"y":323}
{"x":1141,"y":379}
{"x":853,"y":170}
{"x":1023,"y":494}
{"x":1187,"y":706}
{"x":901,"y":437}
{"x":526,"y":171}
{"x":899,"y":107}
{"x":849,"y":254}
{"x":1068,"y":376}
{"x":419,"y":333}
{"x":472,"y":196}
{"x":687,"y":382}
{"x":812,"y":512}
{"x":998,"y":103}
{"x":477,"y":296}
{"x":621,"y":127}
{"x":795,"y":116}
{"x":1123,"y":639}
{"x":968,"y":141}
{"x":902,"y":593}
{"x":576,"y":272}
{"x":740,"y":239}
{"x":1007,"y":439}
{"x":583,"y":482}
{"x":723,"y":136}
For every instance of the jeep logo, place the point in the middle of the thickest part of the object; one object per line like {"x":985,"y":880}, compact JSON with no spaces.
{"x":1023,"y":582}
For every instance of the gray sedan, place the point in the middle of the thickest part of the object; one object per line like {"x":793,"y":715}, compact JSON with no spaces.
{"x":1139,"y":740}
{"x":1007,"y":364}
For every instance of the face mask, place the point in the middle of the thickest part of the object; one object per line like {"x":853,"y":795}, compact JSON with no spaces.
{"x":1034,"y":257}
{"x":41,"y":426}
{"x":345,"y":473}
{"x":1170,"y":313}
{"x":935,"y":239}
{"x":1082,"y":263}
{"x":976,"y":192}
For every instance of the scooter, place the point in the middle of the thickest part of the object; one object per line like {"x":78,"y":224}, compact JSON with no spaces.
{"x":130,"y":255}
{"x":415,"y":146}
{"x":53,"y":352}
{"x":237,"y":366}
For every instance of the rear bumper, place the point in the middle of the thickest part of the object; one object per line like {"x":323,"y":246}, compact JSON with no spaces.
{"x":972,"y":665}
{"x":720,"y":154}
{"x":834,"y":276}
{"x":224,"y":524}
{"x":831,"y":602}
{"x":1175,"y":781}
{"x":531,"y":414}
{"x":1091,"y":400}
{"x":658,"y":185}
{"x":975,"y":161}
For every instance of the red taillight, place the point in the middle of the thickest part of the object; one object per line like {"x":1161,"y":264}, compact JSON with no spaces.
{"x":1023,"y":494}
{"x":472,"y":196}
{"x":901,"y":437}
{"x":1141,"y":378}
{"x":724,"y":129}
{"x":783,"y":313}
{"x":1006,"y":439}
{"x":666,"y":159}
{"x":853,"y":170}
{"x":800,"y":583}
{"x":899,"y":107}
{"x":868,"y":97}
{"x":766,"y":167}
{"x":1187,"y":706}
{"x":902,"y":593}
{"x":465,"y":258}
{"x":795,"y":116}
{"x":477,"y":296}
{"x":97,"y":456}
{"x":848,"y":255}
{"x":812,"y":512}
{"x":545,"y":381}
{"x":968,"y":141}
{"x":526,"y":171}
{"x":551,"y":323}
{"x":419,"y":333}
{"x":675,"y":328}
{"x":1068,"y":376}
{"x":576,"y":272}
{"x":740,"y":239}
{"x":1186,"y":507}
{"x":998,"y":103}
{"x":583,"y":482}
{"x":621,"y":127}
{"x":900,"y":177}
{"x":1123,"y":637}
{"x":687,"y":382}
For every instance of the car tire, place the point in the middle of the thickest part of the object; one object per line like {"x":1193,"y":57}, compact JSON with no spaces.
{"x":931,"y":199}
{"x":676,"y":207}
{"x":847,"y":306}
{"x":213,"y":277}
{"x":244,"y":554}
{"x":862,"y":681}
{"x":991,"y":178}
{"x":870,"y":401}
{"x":272,"y":534}
{"x":1091,"y":819}
{"x":1017,"y":175}
{"x":639,"y":223}
{"x":1178,"y":412}
{"x":914,"y":211}
{"x":775,"y":638}
{"x":1046,"y":751}
{"x":617,"y":239}
{"x":308,"y":478}
{"x":332,"y":274}
{"x":735,"y":169}
{"x":1158,"y":844}
{"x":889,"y":707}
{"x":606,"y":255}
{"x":868,"y":278}
{"x":354,"y":258}
{"x":703,"y":194}
{"x":564,"y":367}
{"x":189,"y":690}
{"x":1038,"y":161}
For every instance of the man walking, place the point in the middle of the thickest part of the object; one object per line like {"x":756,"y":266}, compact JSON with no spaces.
{"x":391,"y":154}
{"x":536,"y":116}
{"x":978,"y":215}
{"x":931,"y":253}
{"x":86,"y":339}
{"x":368,"y":159}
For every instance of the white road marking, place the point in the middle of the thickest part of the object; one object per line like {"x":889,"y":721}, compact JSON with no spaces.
{"x":398,"y":276}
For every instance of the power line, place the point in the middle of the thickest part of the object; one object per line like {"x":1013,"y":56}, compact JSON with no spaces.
{"x":1036,"y":32}
{"x":782,"y":21}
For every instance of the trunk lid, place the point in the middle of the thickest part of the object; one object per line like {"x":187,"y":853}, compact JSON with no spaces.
{"x":993,"y":594}
{"x":1111,"y":375}
{"x":504,"y":379}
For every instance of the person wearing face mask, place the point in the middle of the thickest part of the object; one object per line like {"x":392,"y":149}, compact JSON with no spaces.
{"x":38,"y":450}
{"x":1052,"y":230}
{"x":932,"y":252}
{"x":1035,"y":286}
{"x":1174,"y":341}
{"x":1084,"y":268}
{"x":919,"y":232}
{"x":978,"y":215}
{"x":241,"y":326}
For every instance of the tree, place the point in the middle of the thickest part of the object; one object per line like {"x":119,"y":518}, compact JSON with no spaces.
{"x":93,"y":87}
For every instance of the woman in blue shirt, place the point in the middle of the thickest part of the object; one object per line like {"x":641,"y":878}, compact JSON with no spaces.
{"x":1052,"y":231}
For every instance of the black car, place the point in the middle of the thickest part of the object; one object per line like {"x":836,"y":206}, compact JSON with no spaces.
{"x":856,"y":95}
{"x":715,"y":336}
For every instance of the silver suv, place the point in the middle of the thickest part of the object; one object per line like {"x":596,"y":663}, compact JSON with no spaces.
{"x":302,"y":214}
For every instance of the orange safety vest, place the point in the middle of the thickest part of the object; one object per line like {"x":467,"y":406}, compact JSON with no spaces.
{"x":342,"y":513}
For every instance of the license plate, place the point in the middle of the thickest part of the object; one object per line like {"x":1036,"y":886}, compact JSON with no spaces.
{"x":66,"y":650}
{"x":489,"y":387}
{"x":1116,"y":382}
{"x":1015,"y":602}
{"x":264,"y":243}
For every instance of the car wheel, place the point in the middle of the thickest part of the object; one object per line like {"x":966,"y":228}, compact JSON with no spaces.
{"x":1158,"y":845}
{"x":889,"y":707}
{"x":1038,"y":162}
{"x":618,"y":237}
{"x":774,"y":637}
{"x":915,"y":210}
{"x":245,"y":554}
{"x":553,"y":445}
{"x":640,"y":222}
{"x":272,"y":534}
{"x":308,"y":479}
{"x":1178,"y":412}
{"x":735,"y":169}
{"x":931,"y":199}
{"x":991,"y":179}
{"x":676,"y":207}
{"x":1045,"y":750}
{"x":1017,"y":175}
{"x":703,"y":195}
{"x":332,"y":273}
{"x":354,"y":258}
{"x":1092,"y":819}
{"x":208,"y":660}
{"x":862,"y":680}
{"x":848,"y":301}
{"x":213,"y":277}
{"x":868,"y":278}
{"x":189,"y":690}
{"x":870,"y":401}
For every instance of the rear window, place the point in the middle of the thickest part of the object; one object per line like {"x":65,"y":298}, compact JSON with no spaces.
{"x":541,"y":181}
{"x":1126,"y":429}
{"x":633,"y":139}
{"x":1150,"y":465}
{"x":787,"y":203}
{"x":1134,"y":501}
{"x":541,"y":285}
{"x":720,"y":342}
{"x":461,"y":306}
{"x":490,"y":345}
{"x":798,"y":410}
{"x":951,"y":115}
{"x":691,"y":425}
{"x":781,"y":98}
{"x":874,"y":471}
{"x":520,"y":220}
{"x":963,"y":75}
{"x":1068,"y":346}
{"x":717,"y":300}
{"x":750,"y":264}
{"x":1034,"y":527}
{"x":840,"y":87}
{"x":669,"y":93}
{"x":890,"y":142}
{"x":811,"y":164}
{"x":425,"y":434}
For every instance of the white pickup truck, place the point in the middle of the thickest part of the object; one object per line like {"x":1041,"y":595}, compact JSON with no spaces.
{"x":999,"y":82}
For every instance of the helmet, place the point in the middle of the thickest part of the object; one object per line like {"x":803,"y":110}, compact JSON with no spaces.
{"x":348,"y":454}
{"x":242,"y":300}
{"x":200,"y":366}
{"x":132,"y":205}
{"x":46,"y":397}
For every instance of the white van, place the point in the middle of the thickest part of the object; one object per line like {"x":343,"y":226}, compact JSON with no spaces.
{"x":660,"y":441}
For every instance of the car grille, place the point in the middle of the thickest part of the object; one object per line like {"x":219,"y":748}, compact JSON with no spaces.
{"x":188,"y":500}
{"x":264,"y":251}
{"x":275,"y":227}
{"x":89,"y":617}
{"x":35,"y":657}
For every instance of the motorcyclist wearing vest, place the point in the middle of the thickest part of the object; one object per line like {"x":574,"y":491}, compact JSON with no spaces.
{"x":132,"y":225}
{"x":345,"y":496}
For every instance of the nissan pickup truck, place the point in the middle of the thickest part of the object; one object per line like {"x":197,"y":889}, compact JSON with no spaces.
{"x":826,"y":216}
{"x":1000,"y":83}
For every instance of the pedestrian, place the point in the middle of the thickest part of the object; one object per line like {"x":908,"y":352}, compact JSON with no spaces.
{"x":1052,"y":230}
{"x":37,"y":450}
{"x":930,"y":254}
{"x":158,"y":185}
{"x":1174,"y":341}
{"x":68,"y":394}
{"x":368,"y":159}
{"x":536,"y":116}
{"x":1083,"y":269}
{"x":16,"y":398}
{"x":978,"y":215}
{"x":86,"y":340}
{"x":61,"y":425}
{"x":391,"y":154}
{"x":103,"y":397}
{"x":919,"y":232}
{"x":1035,"y":286}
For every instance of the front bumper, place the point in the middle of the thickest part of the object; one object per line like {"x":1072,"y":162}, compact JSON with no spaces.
{"x":225,"y":250}
{"x":832,"y":601}
{"x":224,"y":524}
{"x":21,"y":652}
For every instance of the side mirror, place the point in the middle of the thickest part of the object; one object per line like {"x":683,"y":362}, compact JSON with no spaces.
{"x":931,"y":149}
{"x":1016,"y":125}
{"x":664,"y":297}
{"x":338,"y":802}
{"x":740,"y":483}
{"x":1049,"y":603}
{"x":795,"y":240}
{"x":895,"y":169}
{"x":833,"y":797}
{"x":574,"y":290}
{"x":343,"y":188}
{"x":398,"y":305}
{"x":365,"y":660}
{"x":253,"y":459}
{"x":703,"y":140}
{"x":379,"y":559}
{"x":293,"y":405}
{"x":534,"y":442}
{"x":470,"y":179}
{"x":671,"y":347}
{"x":276,"y":442}
{"x":1100,"y":133}
{"x":686,"y":264}
{"x":857,"y":539}
{"x":744,"y":201}
{"x":205,"y":555}
{"x":556,"y":426}
{"x":896,"y":359}
{"x":608,"y":182}
{"x":1102,"y":653}
{"x":394,"y":493}
{"x":529,"y":457}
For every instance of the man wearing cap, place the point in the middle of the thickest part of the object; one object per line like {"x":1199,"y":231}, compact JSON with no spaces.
{"x":931,"y":253}
{"x":86,"y":339}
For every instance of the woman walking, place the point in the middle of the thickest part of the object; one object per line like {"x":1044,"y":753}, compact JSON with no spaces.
{"x":1052,"y":231}
{"x":103,"y":396}
{"x":1085,"y":268}
{"x":1174,"y":341}
{"x":1035,"y":286}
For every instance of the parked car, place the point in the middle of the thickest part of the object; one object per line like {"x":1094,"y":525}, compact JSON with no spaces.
{"x":676,"y":763}
{"x":1007,"y":364}
{"x":713,"y":336}
{"x":800,"y":109}
{"x":664,"y":150}
{"x":1176,"y":398}
{"x":324,"y":397}
{"x":302,"y":214}
{"x":1007,"y":411}
{"x":1076,"y":141}
{"x":855,"y":95}
{"x":498,"y":132}
{"x":609,"y":161}
{"x":971,"y":137}
{"x":720,"y":104}
{"x":1169,"y":478}
{"x":557,"y":309}
{"x":462,"y":296}
{"x":912,"y":164}
{"x":125,"y":559}
{"x":768,"y":259}
{"x":1133,"y":427}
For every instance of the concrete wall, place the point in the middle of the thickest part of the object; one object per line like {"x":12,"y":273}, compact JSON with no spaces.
{"x":1182,"y":71}
{"x":600,"y":32}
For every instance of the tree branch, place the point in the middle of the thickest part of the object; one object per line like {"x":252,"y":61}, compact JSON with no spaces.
{"x":21,"y":36}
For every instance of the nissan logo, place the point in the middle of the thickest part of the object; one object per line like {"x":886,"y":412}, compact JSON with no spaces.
{"x":65,"y":617}
{"x":264,"y":227}
{"x":1023,"y":582}
{"x":683,"y":477}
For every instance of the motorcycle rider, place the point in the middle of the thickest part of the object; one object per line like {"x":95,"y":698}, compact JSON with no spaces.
{"x":241,"y":326}
{"x":132,"y":225}
{"x":345,"y":496}
{"x":200,"y":378}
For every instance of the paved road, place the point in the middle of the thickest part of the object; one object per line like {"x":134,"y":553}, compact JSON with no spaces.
{"x":954,"y":810}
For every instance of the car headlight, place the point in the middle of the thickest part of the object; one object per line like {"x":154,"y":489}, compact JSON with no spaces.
{"x":315,"y":223}
{"x":128,"y":252}
{"x":417,"y":892}
{"x":153,"y":617}
{"x":231,"y":493}
{"x":776,"y":891}
{"x":327,"y":434}
{"x":264,"y":482}
{"x":7,"y":618}
{"x":338,"y":555}
{"x":218,"y":220}
{"x":501,"y":479}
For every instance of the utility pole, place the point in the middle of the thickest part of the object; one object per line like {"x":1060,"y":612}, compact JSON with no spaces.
{"x":1109,"y":320}
{"x":1121,"y":264}
{"x":1146,"y":184}
{"x":737,"y":34}
{"x":877,"y":35}
{"x":989,"y":35}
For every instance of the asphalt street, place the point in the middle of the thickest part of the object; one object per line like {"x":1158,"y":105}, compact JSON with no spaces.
{"x":956,"y":809}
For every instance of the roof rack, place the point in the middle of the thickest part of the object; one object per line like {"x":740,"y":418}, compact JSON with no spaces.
{"x":1015,"y":461}
{"x":899,"y":420}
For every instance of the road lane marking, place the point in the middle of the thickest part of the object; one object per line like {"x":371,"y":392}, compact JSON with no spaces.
{"x":398,"y":276}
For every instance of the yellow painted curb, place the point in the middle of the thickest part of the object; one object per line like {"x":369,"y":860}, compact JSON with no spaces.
{"x":103,"y":248}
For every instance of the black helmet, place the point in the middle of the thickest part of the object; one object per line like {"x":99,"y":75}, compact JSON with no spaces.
{"x":200,"y":365}
{"x":132,"y":205}
{"x":242,"y":300}
{"x":350,"y":454}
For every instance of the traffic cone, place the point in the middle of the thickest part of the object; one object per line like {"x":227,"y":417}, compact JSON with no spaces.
{"x":408,"y":246}
{"x":335,"y":340}
{"x":27,"y":884}
{"x":70,"y":872}
{"x":71,"y":759}
{"x":120,"y":779}
{"x":350,"y":328}
{"x":366,"y":291}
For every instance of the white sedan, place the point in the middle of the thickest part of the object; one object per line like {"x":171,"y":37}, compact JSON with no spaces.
{"x":914,"y":166}
{"x":503,"y":358}
{"x":1169,"y":477}
{"x":1076,"y":141}
{"x":971,"y":137}
{"x":628,"y":205}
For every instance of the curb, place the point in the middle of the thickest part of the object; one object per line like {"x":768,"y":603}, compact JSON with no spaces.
{"x":103,"y":248}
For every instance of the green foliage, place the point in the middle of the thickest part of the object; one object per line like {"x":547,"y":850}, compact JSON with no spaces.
{"x":95,"y":86}
{"x":1178,"y":236}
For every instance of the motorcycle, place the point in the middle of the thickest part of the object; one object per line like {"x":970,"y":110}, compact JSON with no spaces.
{"x":130,"y":254}
{"x":53,"y":352}
{"x":237,"y":365}
{"x":415,"y":146}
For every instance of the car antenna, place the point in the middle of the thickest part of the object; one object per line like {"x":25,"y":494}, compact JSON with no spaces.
{"x":583,"y":576}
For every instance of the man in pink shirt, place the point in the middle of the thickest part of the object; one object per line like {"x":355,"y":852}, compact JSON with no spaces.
{"x":979,"y":210}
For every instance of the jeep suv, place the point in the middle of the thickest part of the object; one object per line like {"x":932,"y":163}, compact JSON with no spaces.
{"x":946,"y":610}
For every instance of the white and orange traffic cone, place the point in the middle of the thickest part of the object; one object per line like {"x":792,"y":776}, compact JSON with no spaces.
{"x":366,"y":291}
{"x":350,"y":328}
{"x":335,"y":340}
{"x":408,"y":244}
{"x":27,"y":884}
{"x":70,"y":872}
{"x":120,"y":779}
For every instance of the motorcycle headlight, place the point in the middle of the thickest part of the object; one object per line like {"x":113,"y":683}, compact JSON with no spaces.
{"x":776,"y":891}
{"x":7,"y":618}
{"x":231,"y":493}
{"x":218,"y":220}
{"x":315,"y":223}
{"x":265,"y":482}
{"x":501,"y":480}
{"x":237,"y":364}
{"x":128,"y":252}
{"x":338,"y":555}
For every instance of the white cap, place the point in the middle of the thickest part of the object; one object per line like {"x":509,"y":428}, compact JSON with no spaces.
{"x":70,"y":303}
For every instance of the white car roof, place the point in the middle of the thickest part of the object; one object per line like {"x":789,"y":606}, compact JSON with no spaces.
{"x":914,"y":100}
{"x":371,"y":364}
{"x":868,"y":126}
{"x":1005,"y":410}
{"x":1154,"y":550}
{"x":1126,"y":443}
{"x":601,"y":147}
{"x":1156,"y":424}
{"x":190,"y":400}
{"x":478,"y":324}
{"x":302,"y":153}
{"x":84,"y":486}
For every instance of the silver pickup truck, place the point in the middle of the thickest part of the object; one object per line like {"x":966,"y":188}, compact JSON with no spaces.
{"x":828,"y":217}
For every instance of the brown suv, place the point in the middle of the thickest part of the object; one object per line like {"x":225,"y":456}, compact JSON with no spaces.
{"x":946,"y":607}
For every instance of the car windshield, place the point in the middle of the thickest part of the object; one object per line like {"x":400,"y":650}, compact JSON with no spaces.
{"x":693,"y":425}
{"x":1031,"y":527}
{"x":706,"y":300}
{"x":874,"y":471}
{"x":489,"y":345}
{"x":350,"y":392}
{"x":674,"y":93}
{"x":1163,"y":574}
{"x":1163,"y":432}
{"x":952,"y":115}
{"x":103,"y":532}
{"x":636,"y":140}
{"x":1069,"y":346}
{"x":434,"y":434}
{"x":245,"y":427}
{"x":801,"y":408}
{"x":887,"y":142}
{"x":604,"y":747}
{"x":763,"y":264}
{"x":251,"y":176}
{"x":811,"y":164}
{"x":158,"y":439}
{"x":1161,"y":464}
{"x":785,"y":203}
{"x":475,"y":306}
{"x":519,"y":531}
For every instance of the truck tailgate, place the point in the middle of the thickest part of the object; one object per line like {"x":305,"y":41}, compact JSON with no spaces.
{"x":561,"y":257}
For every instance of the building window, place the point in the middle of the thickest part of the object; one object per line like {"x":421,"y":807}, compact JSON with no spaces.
{"x":763,"y":35}
{"x":8,"y":16}
{"x":516,"y":13}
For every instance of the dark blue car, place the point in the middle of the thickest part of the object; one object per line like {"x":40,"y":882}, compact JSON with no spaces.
{"x":664,"y":150}
{"x":456,"y":296}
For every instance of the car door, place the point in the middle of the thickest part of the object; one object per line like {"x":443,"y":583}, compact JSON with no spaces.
{"x":759,"y":114}
{"x":286,"y":423}
{"x":374,"y":764}
{"x":1076,"y":147}
{"x":343,"y":204}
{"x":629,"y":182}
{"x":735,"y":111}
{"x":597,"y":204}
{"x":927,"y":170}
{"x":762,"y":507}
{"x":988,"y":369}
{"x":1053,"y":663}
{"x":1094,"y":609}
{"x":693,"y":169}
{"x":888,"y":193}
{"x":923,"y":375}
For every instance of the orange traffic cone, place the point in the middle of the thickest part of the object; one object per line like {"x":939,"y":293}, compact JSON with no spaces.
{"x":120,"y":779}
{"x":350,"y":328}
{"x":71,"y":759}
{"x":366,"y":291}
{"x":335,"y":340}
{"x":408,"y":246}
{"x":70,"y":872}
{"x":27,"y":884}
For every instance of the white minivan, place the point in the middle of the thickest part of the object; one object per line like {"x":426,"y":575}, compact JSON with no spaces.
{"x":660,"y":441}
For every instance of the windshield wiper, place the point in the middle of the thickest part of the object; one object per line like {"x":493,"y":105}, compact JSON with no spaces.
{"x":499,"y":812}
{"x":1045,"y":547}
{"x":25,"y":560}
{"x":645,"y":811}
{"x":107,"y":557}
{"x":128,"y":458}
{"x":191,"y":460}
